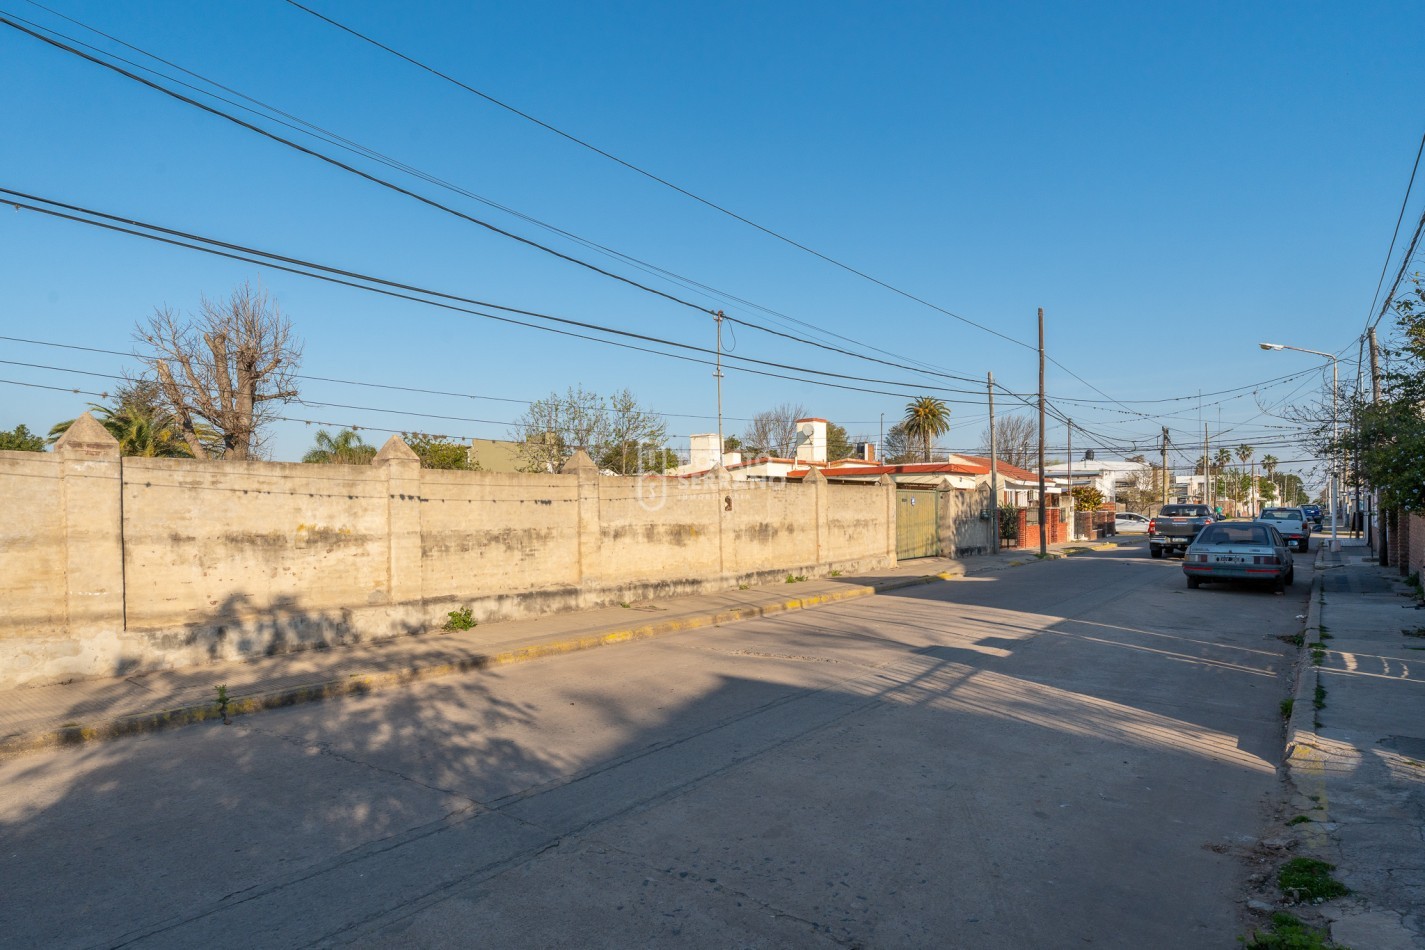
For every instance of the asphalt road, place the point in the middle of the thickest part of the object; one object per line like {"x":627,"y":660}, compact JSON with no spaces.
{"x":1064,"y":754}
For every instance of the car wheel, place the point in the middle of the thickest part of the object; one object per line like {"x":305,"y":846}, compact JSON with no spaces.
{"x":1193,"y":582}
{"x":1279,"y":585}
{"x":1291,"y":575}
{"x":1154,"y":551}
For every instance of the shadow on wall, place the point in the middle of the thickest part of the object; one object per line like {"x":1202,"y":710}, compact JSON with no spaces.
{"x":240,"y":627}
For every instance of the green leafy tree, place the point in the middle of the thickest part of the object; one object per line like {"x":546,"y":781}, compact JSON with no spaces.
{"x":899,"y":447}
{"x":1392,"y":430}
{"x":21,"y":439}
{"x":1086,"y":497}
{"x":436,"y":451}
{"x":344,"y":448}
{"x":838,"y":446}
{"x":926,"y":419}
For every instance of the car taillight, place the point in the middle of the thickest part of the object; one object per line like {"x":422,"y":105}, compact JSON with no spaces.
{"x":1152,"y":525}
{"x":1266,"y":559}
{"x":1200,"y":558}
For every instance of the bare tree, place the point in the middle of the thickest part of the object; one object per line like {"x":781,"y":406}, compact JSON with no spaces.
{"x":774,"y":432}
{"x":617,"y":432}
{"x":226,"y":367}
{"x":1016,"y":441}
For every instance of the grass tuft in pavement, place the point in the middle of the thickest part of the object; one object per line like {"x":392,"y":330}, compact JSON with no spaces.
{"x":1309,"y":881}
{"x":1289,"y":933}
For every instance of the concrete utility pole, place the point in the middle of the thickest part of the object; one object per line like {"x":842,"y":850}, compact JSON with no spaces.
{"x":721,"y":445}
{"x":1382,"y":553}
{"x":1043,"y":533}
{"x":1165,"y":465}
{"x":1206,"y":469}
{"x":994,"y":471}
{"x":1073,"y":510}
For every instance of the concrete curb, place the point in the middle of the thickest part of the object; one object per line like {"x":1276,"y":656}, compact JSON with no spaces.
{"x":1301,"y":726}
{"x":360,"y":684}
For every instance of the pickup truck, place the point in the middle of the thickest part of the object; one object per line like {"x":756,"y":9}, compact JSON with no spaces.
{"x":1175,"y":526}
{"x":1292,"y":523}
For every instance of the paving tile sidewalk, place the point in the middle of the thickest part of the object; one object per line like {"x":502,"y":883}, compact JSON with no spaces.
{"x":1358,"y":761}
{"x":44,"y":717}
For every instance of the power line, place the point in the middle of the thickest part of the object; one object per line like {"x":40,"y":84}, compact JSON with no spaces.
{"x":1404,"y":263}
{"x":485,"y":224}
{"x":662,"y":181}
{"x":1404,"y":201}
{"x":370,"y":384}
{"x":299,"y":124}
{"x":375,"y":179}
{"x":329,"y":274}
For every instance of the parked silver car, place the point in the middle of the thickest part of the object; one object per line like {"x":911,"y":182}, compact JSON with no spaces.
{"x":1126,"y":522}
{"x":1239,"y":551}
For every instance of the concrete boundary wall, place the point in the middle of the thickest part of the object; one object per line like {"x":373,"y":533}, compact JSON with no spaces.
{"x":114,"y":565}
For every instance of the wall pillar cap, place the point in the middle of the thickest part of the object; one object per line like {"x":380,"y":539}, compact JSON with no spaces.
{"x":578,"y":463}
{"x":395,"y":450}
{"x":814,"y":476}
{"x":85,"y":436}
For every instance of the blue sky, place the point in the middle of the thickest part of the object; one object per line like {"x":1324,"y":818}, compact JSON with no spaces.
{"x":1171,"y":182}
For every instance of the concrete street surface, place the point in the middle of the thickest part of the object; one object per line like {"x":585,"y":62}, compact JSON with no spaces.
{"x":1078,"y":752}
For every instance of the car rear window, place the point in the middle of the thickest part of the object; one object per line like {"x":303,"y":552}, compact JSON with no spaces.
{"x":1280,"y":514}
{"x":1185,"y":511}
{"x":1234,"y":534}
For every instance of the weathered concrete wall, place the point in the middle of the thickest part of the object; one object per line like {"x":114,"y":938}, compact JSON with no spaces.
{"x":110,"y":566}
{"x":963,"y":532}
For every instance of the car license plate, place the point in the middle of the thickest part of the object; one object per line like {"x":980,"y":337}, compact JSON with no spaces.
{"x":1229,"y":559}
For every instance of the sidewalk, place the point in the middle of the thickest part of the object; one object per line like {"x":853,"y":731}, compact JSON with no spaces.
{"x":1356,"y":747}
{"x":44,"y":717}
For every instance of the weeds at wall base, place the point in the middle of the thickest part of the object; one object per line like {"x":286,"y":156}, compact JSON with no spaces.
{"x":462,"y":619}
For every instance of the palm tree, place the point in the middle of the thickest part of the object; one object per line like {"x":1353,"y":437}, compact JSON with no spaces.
{"x":925,"y":419}
{"x":1244,"y":452}
{"x":141,"y":431}
{"x":345,"y":448}
{"x":1269,"y":465}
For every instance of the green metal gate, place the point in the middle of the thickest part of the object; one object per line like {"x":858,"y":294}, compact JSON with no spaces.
{"x":917,"y":527}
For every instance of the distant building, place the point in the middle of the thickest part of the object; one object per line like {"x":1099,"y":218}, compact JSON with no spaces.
{"x":496,"y":455}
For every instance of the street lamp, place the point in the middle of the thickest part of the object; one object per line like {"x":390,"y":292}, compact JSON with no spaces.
{"x":1335,"y":474}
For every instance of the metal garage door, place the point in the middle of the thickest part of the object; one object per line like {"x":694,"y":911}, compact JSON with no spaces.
{"x":917,"y":528}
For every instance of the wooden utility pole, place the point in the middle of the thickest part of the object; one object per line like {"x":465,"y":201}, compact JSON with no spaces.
{"x":1043,"y":527}
{"x":1165,"y":465}
{"x":994,"y":471}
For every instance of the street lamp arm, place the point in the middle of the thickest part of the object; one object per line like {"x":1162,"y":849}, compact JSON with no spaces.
{"x":1335,"y":432}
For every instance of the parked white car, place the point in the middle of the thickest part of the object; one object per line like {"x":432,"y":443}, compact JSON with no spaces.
{"x":1126,"y":522}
